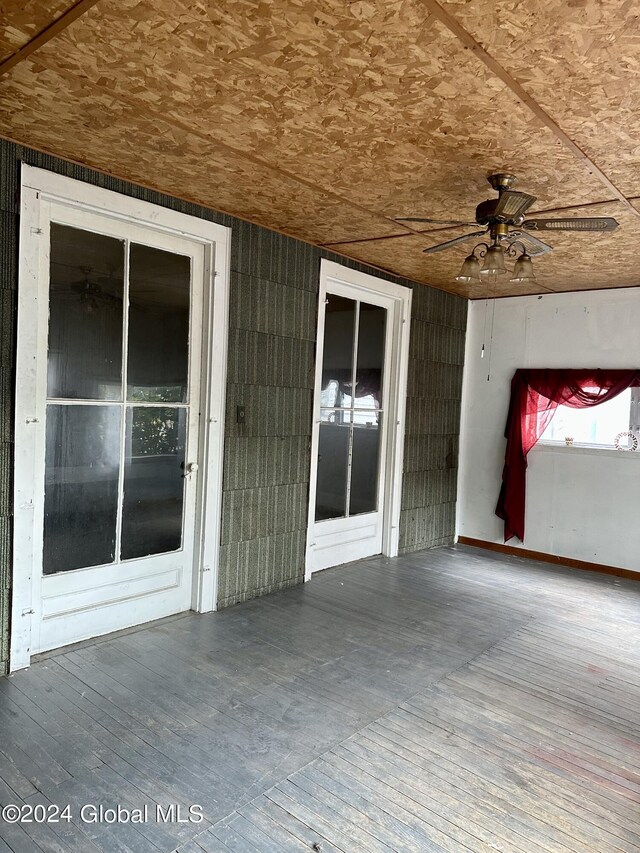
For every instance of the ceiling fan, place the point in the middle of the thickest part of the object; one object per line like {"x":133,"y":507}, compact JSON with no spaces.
{"x":505,"y":225}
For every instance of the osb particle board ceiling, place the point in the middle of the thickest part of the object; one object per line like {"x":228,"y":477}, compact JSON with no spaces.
{"x":326,"y":120}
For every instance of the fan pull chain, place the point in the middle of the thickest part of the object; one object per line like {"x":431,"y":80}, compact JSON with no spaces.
{"x":493,"y":317}
{"x":484,"y":333}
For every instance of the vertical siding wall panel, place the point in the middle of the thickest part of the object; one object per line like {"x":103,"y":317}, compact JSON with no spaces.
{"x":434,"y":390}
{"x":273,"y":315}
{"x":270,"y":374}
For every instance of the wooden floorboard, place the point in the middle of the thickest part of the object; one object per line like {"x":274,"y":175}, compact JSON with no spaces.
{"x":450,"y":700}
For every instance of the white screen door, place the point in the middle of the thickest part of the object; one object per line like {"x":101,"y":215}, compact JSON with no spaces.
{"x":357,"y":431}
{"x":118,"y":366}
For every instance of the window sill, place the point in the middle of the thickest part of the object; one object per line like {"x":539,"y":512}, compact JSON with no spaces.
{"x":585,"y":449}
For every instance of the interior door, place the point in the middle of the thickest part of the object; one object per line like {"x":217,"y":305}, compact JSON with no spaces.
{"x":352,"y":430}
{"x":119,"y":437}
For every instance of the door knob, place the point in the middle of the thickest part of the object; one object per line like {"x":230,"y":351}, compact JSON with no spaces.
{"x":190,"y":468}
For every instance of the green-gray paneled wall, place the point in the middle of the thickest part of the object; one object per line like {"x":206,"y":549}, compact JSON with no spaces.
{"x":436,"y":357}
{"x":274,"y":284}
{"x":272,"y":328}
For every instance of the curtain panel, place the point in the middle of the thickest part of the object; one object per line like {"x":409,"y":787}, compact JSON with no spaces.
{"x":535,"y":396}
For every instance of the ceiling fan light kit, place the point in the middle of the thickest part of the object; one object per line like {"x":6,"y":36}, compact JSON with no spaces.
{"x":494,"y":264}
{"x":494,"y":261}
{"x":470,"y":270}
{"x":523,"y":271}
{"x":505,"y":224}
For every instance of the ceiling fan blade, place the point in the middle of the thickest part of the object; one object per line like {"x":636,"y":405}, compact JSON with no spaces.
{"x":530,"y":243}
{"x":440,"y":247}
{"x":572,"y":223}
{"x":433,"y":221}
{"x":512,"y":204}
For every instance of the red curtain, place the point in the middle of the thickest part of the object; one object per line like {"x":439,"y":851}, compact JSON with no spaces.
{"x":535,"y":395}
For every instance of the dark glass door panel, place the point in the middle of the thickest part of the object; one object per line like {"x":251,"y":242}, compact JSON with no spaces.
{"x":333,"y":466}
{"x":370,"y":358}
{"x":337,"y":362}
{"x":81,"y":486}
{"x":85,"y":315}
{"x":365,"y":463}
{"x":153,"y":480}
{"x":159,"y":297}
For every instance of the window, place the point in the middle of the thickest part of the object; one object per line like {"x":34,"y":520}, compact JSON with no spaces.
{"x":598,"y":425}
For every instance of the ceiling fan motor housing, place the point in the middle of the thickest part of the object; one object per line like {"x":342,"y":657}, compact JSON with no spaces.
{"x":486,"y":215}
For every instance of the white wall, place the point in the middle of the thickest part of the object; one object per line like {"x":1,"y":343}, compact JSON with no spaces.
{"x":581,"y":503}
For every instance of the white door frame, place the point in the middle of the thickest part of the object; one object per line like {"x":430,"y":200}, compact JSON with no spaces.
{"x":360,"y":285}
{"x":39,"y":188}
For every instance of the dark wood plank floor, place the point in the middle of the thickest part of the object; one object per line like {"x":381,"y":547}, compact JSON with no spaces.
{"x":453,"y":700}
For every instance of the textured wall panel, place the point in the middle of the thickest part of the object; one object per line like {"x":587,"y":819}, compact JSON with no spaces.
{"x":273,"y":315}
{"x":256,"y":358}
{"x":284,"y":310}
{"x":259,"y":566}
{"x":251,"y":462}
{"x":433,"y":420}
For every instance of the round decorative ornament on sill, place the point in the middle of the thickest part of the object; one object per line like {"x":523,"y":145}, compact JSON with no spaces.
{"x":632,"y":441}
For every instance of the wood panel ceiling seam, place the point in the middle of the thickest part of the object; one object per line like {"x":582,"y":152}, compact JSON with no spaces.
{"x":412,"y":233}
{"x":180,"y":196}
{"x":468,"y":40}
{"x":371,"y":239}
{"x":49,"y":32}
{"x":251,"y":158}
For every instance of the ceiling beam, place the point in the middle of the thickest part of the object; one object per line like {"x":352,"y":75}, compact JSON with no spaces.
{"x":51,"y":31}
{"x":521,"y":93}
